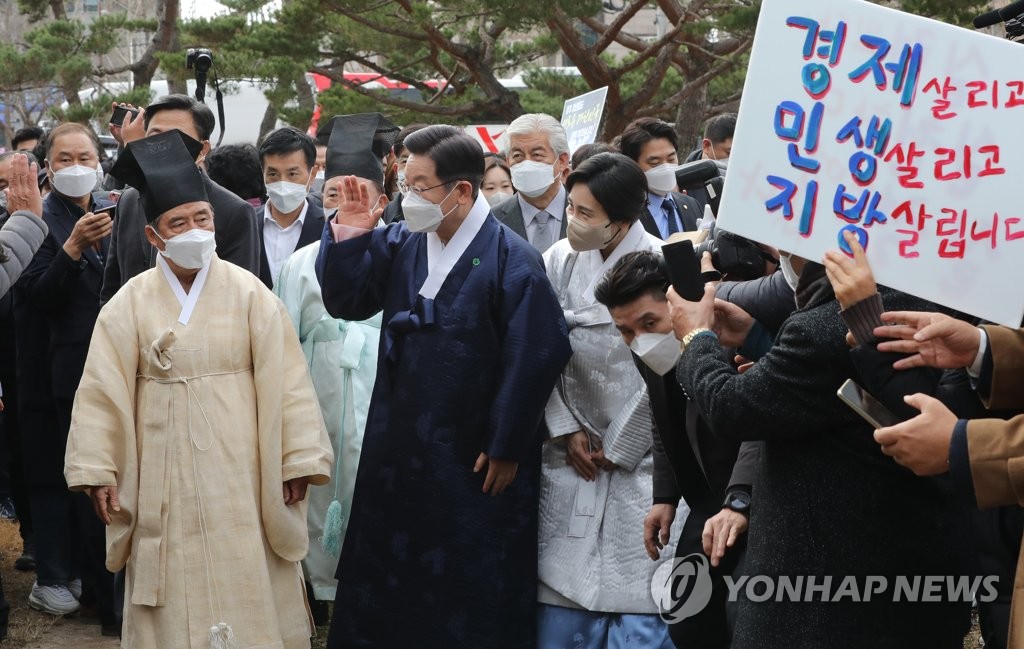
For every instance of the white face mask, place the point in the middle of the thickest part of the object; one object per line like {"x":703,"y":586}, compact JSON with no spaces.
{"x":317,"y":185}
{"x":662,"y":179}
{"x":329,"y":212}
{"x":75,"y":181}
{"x":532,"y":178}
{"x":192,"y":249}
{"x":286,"y":196}
{"x":660,"y":352}
{"x":497,"y":198}
{"x":401,"y":178}
{"x":792,"y":277}
{"x":421,"y":215}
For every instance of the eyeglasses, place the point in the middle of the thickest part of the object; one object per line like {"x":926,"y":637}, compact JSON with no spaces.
{"x":405,"y":188}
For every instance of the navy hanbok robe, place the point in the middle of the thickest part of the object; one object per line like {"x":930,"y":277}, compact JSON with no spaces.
{"x":429,"y":561}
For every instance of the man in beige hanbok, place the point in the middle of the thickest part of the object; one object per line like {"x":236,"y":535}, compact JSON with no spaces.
{"x":196,"y":431}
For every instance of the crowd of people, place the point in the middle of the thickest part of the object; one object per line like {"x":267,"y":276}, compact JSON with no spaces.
{"x":456,"y":394}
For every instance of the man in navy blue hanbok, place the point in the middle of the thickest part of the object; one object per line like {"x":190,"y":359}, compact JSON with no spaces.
{"x":441,"y":551}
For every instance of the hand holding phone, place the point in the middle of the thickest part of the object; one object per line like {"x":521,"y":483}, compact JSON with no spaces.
{"x":684,"y":270}
{"x":117,"y":119}
{"x":866,"y":405}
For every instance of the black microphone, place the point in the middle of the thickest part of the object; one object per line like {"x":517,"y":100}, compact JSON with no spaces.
{"x":1012,"y":10}
{"x":988,"y":19}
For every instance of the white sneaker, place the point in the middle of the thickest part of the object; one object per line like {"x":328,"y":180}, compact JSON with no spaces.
{"x":56,"y":600}
{"x":75,"y":586}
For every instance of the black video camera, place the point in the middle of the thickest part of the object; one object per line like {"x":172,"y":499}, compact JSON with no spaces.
{"x":735,"y":257}
{"x":703,"y":174}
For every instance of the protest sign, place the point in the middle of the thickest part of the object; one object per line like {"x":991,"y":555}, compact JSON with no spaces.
{"x":863,"y":118}
{"x":581,"y":117}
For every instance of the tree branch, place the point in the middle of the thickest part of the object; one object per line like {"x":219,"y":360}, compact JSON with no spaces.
{"x":356,"y":16}
{"x":655,"y":48}
{"x":695,"y":84}
{"x":608,"y":37}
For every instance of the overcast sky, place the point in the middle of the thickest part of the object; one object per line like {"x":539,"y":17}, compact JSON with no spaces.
{"x":201,"y":8}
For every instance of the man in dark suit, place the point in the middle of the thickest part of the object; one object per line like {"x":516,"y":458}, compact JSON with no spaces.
{"x":237,"y":234}
{"x":652,"y":144}
{"x":59,"y":303}
{"x":538,"y":154}
{"x":713,"y":476}
{"x":290,"y":219}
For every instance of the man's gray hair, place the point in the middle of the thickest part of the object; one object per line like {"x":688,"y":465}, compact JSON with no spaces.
{"x":538,"y":122}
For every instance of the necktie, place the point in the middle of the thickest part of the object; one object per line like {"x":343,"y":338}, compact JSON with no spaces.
{"x":669,"y":208}
{"x":542,"y":231}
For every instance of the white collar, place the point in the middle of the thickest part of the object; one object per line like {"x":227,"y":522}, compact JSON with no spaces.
{"x":556,"y":208}
{"x":301,"y":220}
{"x":186,"y":300}
{"x":441,"y":258}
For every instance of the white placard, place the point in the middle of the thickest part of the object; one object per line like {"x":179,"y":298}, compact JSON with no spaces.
{"x":581,"y":117}
{"x":902,"y":128}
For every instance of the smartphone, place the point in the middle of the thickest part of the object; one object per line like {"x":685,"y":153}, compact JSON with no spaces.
{"x":109,"y":210}
{"x":684,"y":270}
{"x":866,"y":405}
{"x":119,"y":112}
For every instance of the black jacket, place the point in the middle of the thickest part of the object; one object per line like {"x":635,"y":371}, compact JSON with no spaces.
{"x":56,"y":303}
{"x":689,"y":462}
{"x":66,"y":292}
{"x":312,"y":230}
{"x":688,"y":209}
{"x":829,"y":503}
{"x":237,"y":237}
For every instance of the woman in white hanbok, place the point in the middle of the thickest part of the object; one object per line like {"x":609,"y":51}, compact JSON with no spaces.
{"x":596,"y":483}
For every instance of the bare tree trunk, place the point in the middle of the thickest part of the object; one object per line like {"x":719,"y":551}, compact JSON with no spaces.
{"x":268,"y":123}
{"x":58,"y":9}
{"x":304,"y":95}
{"x":164,"y":40}
{"x":690,"y":117}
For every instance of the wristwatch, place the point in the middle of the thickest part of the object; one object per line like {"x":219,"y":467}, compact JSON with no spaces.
{"x":737,"y":501}
{"x":688,"y":338}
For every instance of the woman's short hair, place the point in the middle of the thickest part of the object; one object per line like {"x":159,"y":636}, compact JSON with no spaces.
{"x":617,"y":183}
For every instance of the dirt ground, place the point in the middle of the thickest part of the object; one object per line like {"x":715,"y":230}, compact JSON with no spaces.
{"x":30,"y":629}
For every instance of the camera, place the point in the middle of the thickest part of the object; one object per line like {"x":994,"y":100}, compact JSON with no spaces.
{"x":737,"y":258}
{"x":199,"y":58}
{"x":734,"y":256}
{"x":703,"y":174}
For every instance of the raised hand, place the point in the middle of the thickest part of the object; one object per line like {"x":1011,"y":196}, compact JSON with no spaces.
{"x":851,"y":279}
{"x":932,"y":339}
{"x":354,"y":204}
{"x":23,"y":190}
